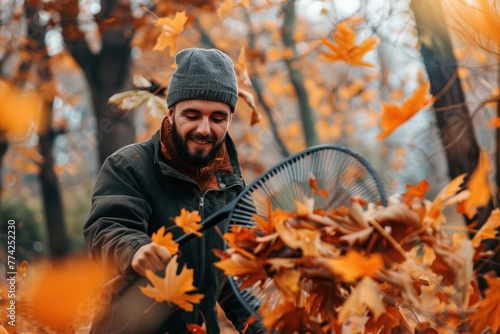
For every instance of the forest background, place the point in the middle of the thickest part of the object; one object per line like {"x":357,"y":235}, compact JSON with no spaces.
{"x":412,"y":86}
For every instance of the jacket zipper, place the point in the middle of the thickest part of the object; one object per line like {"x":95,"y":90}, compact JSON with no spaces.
{"x":201,"y":206}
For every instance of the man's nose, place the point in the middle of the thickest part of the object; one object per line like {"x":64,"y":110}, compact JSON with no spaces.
{"x":204,"y":127}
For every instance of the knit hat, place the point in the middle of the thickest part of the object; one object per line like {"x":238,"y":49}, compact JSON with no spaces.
{"x":203,"y":74}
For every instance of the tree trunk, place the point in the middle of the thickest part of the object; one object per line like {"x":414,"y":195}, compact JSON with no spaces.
{"x":453,"y":119}
{"x":107,"y":71}
{"x":51,"y":194}
{"x":306,"y":113}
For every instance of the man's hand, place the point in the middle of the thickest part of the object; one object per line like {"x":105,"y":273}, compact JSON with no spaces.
{"x":151,"y":256}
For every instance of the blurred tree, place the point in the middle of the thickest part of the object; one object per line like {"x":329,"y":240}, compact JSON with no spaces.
{"x":106,"y":69}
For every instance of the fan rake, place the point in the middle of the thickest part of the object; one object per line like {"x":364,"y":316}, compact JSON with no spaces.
{"x":340,"y":173}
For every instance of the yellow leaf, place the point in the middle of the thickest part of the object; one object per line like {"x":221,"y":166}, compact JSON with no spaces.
{"x":20,"y":110}
{"x":243,"y":70}
{"x":345,"y":48}
{"x":394,"y":115}
{"x":489,"y":230}
{"x":353,"y":265}
{"x":173,"y":288}
{"x":188,"y":221}
{"x":365,"y":295}
{"x":165,"y":239}
{"x":478,"y":186}
{"x":171,"y":28}
{"x":60,"y":288}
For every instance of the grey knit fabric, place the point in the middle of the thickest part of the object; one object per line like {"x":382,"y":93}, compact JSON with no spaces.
{"x":203,"y":74}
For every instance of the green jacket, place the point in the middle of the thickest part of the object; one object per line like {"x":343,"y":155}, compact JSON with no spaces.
{"x":136,"y":193}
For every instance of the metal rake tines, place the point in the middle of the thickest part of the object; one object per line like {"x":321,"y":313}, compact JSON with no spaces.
{"x":342,"y":175}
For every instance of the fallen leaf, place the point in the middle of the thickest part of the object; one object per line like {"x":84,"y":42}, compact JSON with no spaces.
{"x":173,"y":288}
{"x":171,"y":28}
{"x":189,"y":221}
{"x":489,"y":230}
{"x":365,"y":295}
{"x":165,"y":239}
{"x":352,"y":266}
{"x":488,"y":312}
{"x":61,"y":288}
{"x":394,"y":115}
{"x":478,"y":186}
{"x":345,"y":48}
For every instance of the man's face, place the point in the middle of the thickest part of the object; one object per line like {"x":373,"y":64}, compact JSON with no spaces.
{"x":199,"y":129}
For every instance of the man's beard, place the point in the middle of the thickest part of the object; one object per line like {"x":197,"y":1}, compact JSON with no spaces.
{"x":196,"y":159}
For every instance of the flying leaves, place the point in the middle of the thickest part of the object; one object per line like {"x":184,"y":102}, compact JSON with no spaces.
{"x":171,"y":28}
{"x":136,"y":98}
{"x":394,"y":115}
{"x":479,"y":186}
{"x":173,"y":288}
{"x":345,"y":47}
{"x":20,"y":111}
{"x":165,"y":239}
{"x":360,"y":266}
{"x":189,"y":221}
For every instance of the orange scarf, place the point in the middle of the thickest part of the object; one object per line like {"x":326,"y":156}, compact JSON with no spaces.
{"x":204,"y":176}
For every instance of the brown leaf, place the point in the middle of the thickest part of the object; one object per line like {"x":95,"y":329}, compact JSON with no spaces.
{"x":366,"y":295}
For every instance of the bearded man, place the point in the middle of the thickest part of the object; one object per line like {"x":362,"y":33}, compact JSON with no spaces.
{"x":190,"y":163}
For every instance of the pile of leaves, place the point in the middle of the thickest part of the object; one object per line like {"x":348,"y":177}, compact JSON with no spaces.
{"x":367,"y":268}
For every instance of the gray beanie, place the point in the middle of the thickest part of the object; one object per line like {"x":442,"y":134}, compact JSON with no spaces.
{"x":203,"y":75}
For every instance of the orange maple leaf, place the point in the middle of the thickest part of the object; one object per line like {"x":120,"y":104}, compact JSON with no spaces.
{"x":173,"y":288}
{"x":353,"y":265}
{"x":13,"y":99}
{"x":171,"y":28}
{"x":249,"y":271}
{"x":61,"y":288}
{"x":188,"y":221}
{"x":478,"y":186}
{"x":488,"y":312}
{"x":345,"y":48}
{"x":165,"y":239}
{"x":394,"y":115}
{"x":416,"y":191}
{"x":489,"y":230}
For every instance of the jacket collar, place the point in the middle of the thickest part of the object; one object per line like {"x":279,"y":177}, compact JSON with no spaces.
{"x":224,"y":180}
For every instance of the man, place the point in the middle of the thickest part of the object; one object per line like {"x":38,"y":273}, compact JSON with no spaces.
{"x":191,"y":163}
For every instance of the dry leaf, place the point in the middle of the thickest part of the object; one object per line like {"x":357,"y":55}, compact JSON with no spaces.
{"x":173,"y":288}
{"x":352,"y":266}
{"x":243,"y":69}
{"x":171,"y":28}
{"x":478,"y":186}
{"x":489,"y":230}
{"x":394,"y":115}
{"x":345,"y":48}
{"x":249,"y":99}
{"x":165,"y":239}
{"x":12,"y":100}
{"x":61,"y":288}
{"x":189,"y":221}
{"x":365,"y":295}
{"x":488,"y":312}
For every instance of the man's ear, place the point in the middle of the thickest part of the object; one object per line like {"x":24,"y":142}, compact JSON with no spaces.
{"x":170,"y":115}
